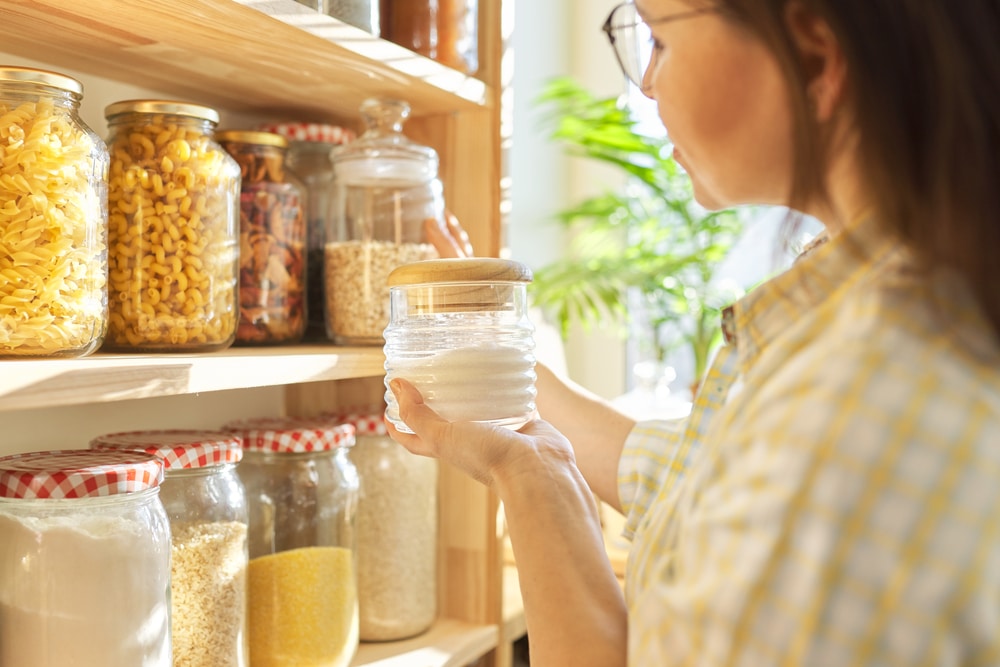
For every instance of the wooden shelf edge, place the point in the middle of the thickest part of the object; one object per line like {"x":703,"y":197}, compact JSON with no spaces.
{"x":448,"y":643}
{"x":112,"y":377}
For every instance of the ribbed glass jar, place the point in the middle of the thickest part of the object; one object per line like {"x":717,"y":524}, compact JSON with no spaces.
{"x":207,"y":508}
{"x":173,"y":221}
{"x":459,"y":330}
{"x":53,"y":219}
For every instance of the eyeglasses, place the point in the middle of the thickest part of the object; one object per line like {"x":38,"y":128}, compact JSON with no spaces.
{"x":632,"y":40}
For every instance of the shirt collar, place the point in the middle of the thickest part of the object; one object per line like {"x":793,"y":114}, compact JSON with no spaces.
{"x":827,"y":265}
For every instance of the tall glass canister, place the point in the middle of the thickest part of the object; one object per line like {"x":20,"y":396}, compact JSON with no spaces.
{"x":173,"y":221}
{"x":84,"y":560}
{"x":53,"y":219}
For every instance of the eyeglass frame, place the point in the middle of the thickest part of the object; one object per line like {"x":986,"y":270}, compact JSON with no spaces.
{"x":609,"y":30}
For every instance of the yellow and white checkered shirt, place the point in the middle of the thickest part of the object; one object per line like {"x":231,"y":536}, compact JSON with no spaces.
{"x":834,"y":498}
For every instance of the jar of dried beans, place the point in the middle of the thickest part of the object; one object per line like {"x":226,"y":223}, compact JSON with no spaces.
{"x":84,"y":560}
{"x":272,"y":240}
{"x":303,"y":496}
{"x":385,"y":188}
{"x":53,"y":219}
{"x":397,"y":533}
{"x":207,"y":509}
{"x":173,"y":200}
{"x":460,"y":332}
{"x":310,"y":157}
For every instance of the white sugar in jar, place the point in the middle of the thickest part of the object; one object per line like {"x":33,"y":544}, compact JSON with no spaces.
{"x":459,"y":331}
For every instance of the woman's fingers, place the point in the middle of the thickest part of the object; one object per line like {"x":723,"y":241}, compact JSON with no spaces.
{"x":448,"y":237}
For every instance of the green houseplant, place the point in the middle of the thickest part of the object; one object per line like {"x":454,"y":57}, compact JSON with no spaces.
{"x":642,"y":256}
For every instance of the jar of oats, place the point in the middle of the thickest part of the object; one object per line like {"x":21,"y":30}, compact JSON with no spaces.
{"x":385,"y":188}
{"x":173,"y":229}
{"x":397,"y":533}
{"x":272,"y":290}
{"x":207,"y":510}
{"x":303,"y":496}
{"x":53,"y":238}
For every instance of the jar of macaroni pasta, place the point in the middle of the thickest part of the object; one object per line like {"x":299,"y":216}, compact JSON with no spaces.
{"x":310,"y":157}
{"x":385,"y":188}
{"x":173,"y":229}
{"x":53,"y":219}
{"x":397,"y":533}
{"x":272,"y":289}
{"x":207,"y":509}
{"x":303,"y":497}
{"x":459,"y":331}
{"x":84,"y":560}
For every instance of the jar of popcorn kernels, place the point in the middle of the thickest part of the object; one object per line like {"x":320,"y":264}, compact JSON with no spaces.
{"x":53,"y":238}
{"x":173,"y":216}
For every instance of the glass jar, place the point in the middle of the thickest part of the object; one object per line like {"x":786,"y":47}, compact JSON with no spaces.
{"x":272,"y":288}
{"x":445,"y":30}
{"x":173,"y":199}
{"x":385,"y":187}
{"x":459,"y":331}
{"x":302,"y":491}
{"x":84,"y":560}
{"x":397,"y":533}
{"x":207,"y":509}
{"x":53,"y":219}
{"x":310,"y":157}
{"x":362,"y":14}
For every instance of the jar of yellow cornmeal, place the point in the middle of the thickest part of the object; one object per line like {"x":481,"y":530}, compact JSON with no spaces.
{"x":302,"y":491}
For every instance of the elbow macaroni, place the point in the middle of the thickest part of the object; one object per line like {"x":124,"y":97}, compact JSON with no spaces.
{"x":173,"y":198}
{"x":52,"y":239}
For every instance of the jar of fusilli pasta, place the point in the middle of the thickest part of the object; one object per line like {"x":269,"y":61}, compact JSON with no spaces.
{"x":173,"y":229}
{"x":53,"y":240}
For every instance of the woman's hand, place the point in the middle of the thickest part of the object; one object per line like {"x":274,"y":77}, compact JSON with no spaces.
{"x":449,"y":237}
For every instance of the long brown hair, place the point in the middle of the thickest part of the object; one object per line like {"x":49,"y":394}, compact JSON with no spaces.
{"x":924,"y":79}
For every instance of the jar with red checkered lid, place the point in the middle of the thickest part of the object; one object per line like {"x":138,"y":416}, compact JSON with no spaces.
{"x":397,"y":533}
{"x":302,"y":490}
{"x":206,"y":505}
{"x":84,"y":560}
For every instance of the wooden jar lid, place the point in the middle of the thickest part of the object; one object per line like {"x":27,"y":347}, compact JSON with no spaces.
{"x":460,"y":270}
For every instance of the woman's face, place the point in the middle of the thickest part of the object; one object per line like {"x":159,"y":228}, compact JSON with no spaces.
{"x":725,"y":104}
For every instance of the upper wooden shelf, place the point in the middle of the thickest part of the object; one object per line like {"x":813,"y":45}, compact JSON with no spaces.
{"x":112,"y":377}
{"x":267,"y":56}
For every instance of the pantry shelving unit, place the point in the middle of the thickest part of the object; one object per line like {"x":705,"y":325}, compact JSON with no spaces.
{"x":279,"y":59}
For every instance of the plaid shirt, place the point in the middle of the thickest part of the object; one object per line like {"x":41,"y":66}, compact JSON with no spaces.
{"x":834,"y":497}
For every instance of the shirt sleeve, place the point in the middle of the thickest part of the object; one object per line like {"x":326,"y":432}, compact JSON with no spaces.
{"x":653,"y":456}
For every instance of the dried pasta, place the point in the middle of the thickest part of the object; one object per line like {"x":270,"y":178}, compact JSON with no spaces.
{"x":172,"y":210}
{"x":52,"y":234}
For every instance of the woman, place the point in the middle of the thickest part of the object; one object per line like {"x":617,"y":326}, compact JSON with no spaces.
{"x":834,"y":497}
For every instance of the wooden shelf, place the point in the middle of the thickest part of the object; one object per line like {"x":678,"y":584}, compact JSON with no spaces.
{"x":449,"y":643}
{"x":268,"y":56}
{"x":113,"y":377}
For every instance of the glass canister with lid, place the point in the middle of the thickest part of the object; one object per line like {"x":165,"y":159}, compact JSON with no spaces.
{"x":173,"y":216}
{"x":84,"y":560}
{"x":397,"y":533}
{"x":302,"y":491}
{"x":385,"y":188}
{"x":460,"y":333}
{"x":272,"y":290}
{"x":206,"y":506}
{"x":310,"y":157}
{"x":53,"y":218}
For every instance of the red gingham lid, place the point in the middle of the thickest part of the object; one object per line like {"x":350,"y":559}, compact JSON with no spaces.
{"x":320,"y":132}
{"x":364,"y":423}
{"x":292,"y":435}
{"x":78,"y":473}
{"x":179,"y":448}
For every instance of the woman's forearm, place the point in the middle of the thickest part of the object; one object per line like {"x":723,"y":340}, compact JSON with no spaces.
{"x":596,"y":430}
{"x":573,"y":605}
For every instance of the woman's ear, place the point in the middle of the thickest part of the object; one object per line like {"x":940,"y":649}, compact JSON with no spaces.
{"x":821,"y":58}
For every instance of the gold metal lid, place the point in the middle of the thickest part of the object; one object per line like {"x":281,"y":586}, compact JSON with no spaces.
{"x":165,"y":107}
{"x":461,"y":270}
{"x":40,"y":76}
{"x":252,"y":137}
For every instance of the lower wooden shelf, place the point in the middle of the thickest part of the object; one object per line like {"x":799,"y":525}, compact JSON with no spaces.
{"x":449,"y":643}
